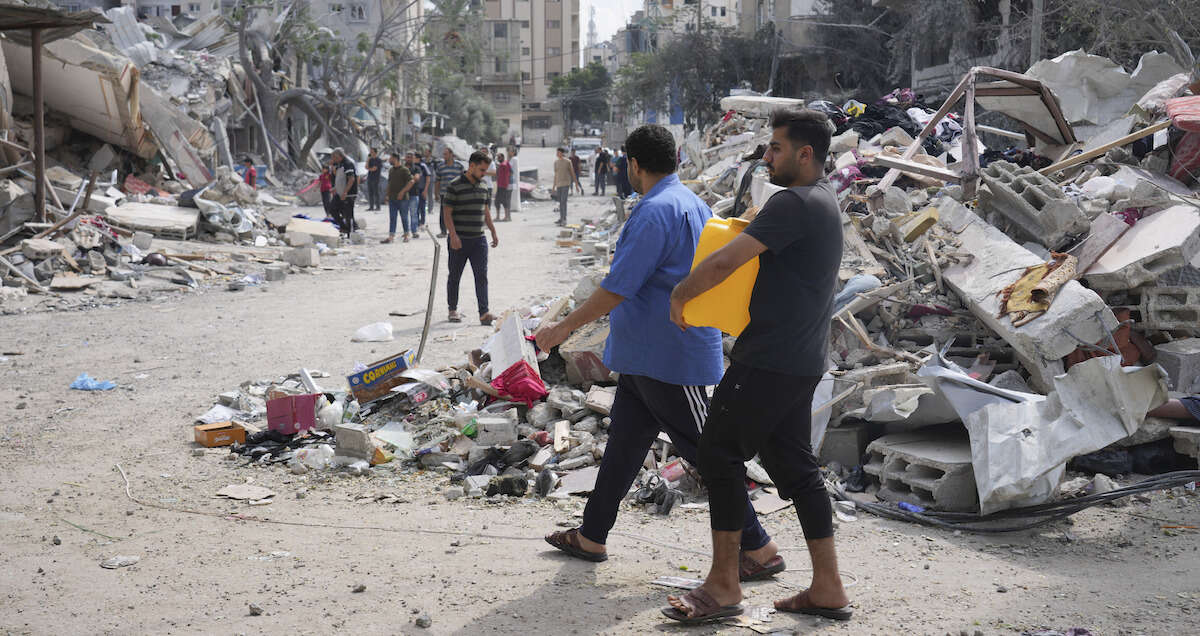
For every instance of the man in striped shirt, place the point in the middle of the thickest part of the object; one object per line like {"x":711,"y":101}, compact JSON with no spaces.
{"x":447,"y":171}
{"x":465,"y":212}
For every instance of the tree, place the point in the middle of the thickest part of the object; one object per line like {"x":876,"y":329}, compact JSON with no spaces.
{"x":454,"y":39}
{"x":584,"y":93}
{"x":349,"y":77}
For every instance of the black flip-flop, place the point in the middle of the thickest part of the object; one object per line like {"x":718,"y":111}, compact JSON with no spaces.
{"x":835,"y":613}
{"x":705,"y":609}
{"x":561,"y":541}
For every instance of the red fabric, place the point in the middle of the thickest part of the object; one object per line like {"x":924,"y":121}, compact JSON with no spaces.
{"x":1185,"y":160}
{"x":252,"y":177}
{"x":503,"y":173}
{"x":521,"y":383}
{"x":326,"y":182}
{"x":1185,"y":113}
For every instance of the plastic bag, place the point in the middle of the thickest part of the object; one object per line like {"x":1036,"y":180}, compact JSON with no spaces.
{"x":87,"y":383}
{"x":375,"y":332}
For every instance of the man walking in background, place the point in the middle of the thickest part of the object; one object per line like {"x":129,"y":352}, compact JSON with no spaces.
{"x":503,"y":188}
{"x":374,"y":174}
{"x":576,"y":170}
{"x":345,"y":190}
{"x":447,"y":171}
{"x":663,"y":370}
{"x":601,"y":173}
{"x":763,"y":405}
{"x":399,"y":183}
{"x":424,"y":189}
{"x":564,"y":176}
{"x":622,"y":166}
{"x":465,"y":208}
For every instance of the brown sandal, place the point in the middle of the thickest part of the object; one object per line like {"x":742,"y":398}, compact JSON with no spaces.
{"x":799,"y":604}
{"x":568,"y":541}
{"x":751,"y":570}
{"x":705,"y":609}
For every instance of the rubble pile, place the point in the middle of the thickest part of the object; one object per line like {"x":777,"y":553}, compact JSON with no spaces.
{"x":978,"y":301}
{"x":507,"y":421}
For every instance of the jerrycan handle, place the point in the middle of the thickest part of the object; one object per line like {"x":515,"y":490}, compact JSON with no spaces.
{"x":738,"y":224}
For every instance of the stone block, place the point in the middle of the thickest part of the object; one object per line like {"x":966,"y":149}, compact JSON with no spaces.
{"x":846,"y":444}
{"x":143,"y":240}
{"x":930,"y":468}
{"x":1181,"y":359}
{"x":276,"y":272}
{"x":96,"y":262}
{"x":39,"y":249}
{"x":844,"y":142}
{"x":298,"y":239}
{"x":997,"y":262}
{"x":600,"y":399}
{"x":353,"y":440}
{"x":584,"y":352}
{"x":540,"y":415}
{"x":1171,"y":309}
{"x":1187,"y":440}
{"x":495,"y":431}
{"x":304,"y":257}
{"x":1158,"y":244}
{"x":1034,"y":203}
{"x":585,"y":260}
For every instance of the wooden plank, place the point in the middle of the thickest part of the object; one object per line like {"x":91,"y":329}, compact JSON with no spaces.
{"x":930,"y":126}
{"x":1000,"y":131}
{"x":904,"y":165}
{"x":1006,"y":91}
{"x":1096,"y":152}
{"x":1107,"y":229}
{"x":970,"y":144}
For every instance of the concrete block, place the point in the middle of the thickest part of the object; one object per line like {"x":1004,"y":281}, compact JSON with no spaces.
{"x":495,"y":431}
{"x":1158,"y":244}
{"x":1171,"y":309}
{"x":600,"y":399}
{"x":930,"y":468}
{"x":304,"y":257}
{"x":895,"y":136}
{"x":358,"y":237}
{"x":39,"y":249}
{"x":844,"y":142}
{"x":584,"y":260}
{"x":1187,"y":440}
{"x":353,"y":440}
{"x":510,"y":346}
{"x":588,"y":285}
{"x":276,"y":272}
{"x":868,"y":378}
{"x":997,"y":262}
{"x":1181,"y":359}
{"x":1032,"y":202}
{"x":298,"y":239}
{"x":143,"y":240}
{"x":846,"y":444}
{"x":540,"y":415}
{"x":1151,"y":429}
{"x":96,"y":262}
{"x":584,"y":352}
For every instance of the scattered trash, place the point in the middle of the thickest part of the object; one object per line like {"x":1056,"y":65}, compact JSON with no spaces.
{"x":87,"y":383}
{"x":119,"y":561}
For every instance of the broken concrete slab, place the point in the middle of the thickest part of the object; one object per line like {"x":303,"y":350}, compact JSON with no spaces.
{"x":997,"y":262}
{"x":1032,"y":202}
{"x":1020,"y":450}
{"x":600,"y":399}
{"x":1155,"y":245}
{"x":930,"y":468}
{"x":511,"y":345}
{"x":304,"y":257}
{"x":39,"y":249}
{"x":1187,"y":440}
{"x":161,"y":220}
{"x":325,"y":232}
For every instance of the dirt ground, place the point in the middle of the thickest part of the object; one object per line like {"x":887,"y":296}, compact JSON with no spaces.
{"x":472,"y":566}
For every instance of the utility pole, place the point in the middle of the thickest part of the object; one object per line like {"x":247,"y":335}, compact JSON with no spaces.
{"x":1035,"y":36}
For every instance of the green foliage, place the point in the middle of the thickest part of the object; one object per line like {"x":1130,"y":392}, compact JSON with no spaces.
{"x":585,"y":92}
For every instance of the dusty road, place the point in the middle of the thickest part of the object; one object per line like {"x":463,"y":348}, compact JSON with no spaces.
{"x":470,"y":566}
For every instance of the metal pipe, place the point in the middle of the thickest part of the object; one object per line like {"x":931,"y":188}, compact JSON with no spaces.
{"x":39,"y":138}
{"x":437,"y":255}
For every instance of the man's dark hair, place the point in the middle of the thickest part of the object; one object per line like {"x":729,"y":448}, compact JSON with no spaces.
{"x":654,"y":148}
{"x":805,"y":128}
{"x":480,"y":156}
{"x":247,"y":160}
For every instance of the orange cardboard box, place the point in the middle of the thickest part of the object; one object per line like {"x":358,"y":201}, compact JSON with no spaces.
{"x":220,"y":434}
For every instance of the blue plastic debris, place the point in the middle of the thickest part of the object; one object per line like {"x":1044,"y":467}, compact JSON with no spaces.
{"x":904,"y":505}
{"x":87,"y":383}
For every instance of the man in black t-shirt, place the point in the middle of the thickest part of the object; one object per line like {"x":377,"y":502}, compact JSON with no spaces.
{"x":763,"y":405}
{"x":345,"y":190}
{"x":374,"y":173}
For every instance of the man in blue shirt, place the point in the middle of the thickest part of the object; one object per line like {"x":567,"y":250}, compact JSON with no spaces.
{"x":663,"y":370}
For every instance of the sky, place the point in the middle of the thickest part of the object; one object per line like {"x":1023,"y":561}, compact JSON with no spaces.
{"x":610,"y":16}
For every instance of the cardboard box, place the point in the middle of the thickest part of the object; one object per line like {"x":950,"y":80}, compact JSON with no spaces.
{"x":290,"y":414}
{"x":220,"y":434}
{"x":378,"y":378}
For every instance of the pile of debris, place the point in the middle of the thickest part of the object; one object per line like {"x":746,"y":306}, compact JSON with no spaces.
{"x":1003,"y":309}
{"x":509,"y":420}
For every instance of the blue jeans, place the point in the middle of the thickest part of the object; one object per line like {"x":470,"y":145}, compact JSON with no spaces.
{"x":404,"y":208}
{"x":474,"y":250}
{"x":421,"y":205}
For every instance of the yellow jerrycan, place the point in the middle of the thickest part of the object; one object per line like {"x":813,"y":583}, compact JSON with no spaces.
{"x":726,"y":306}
